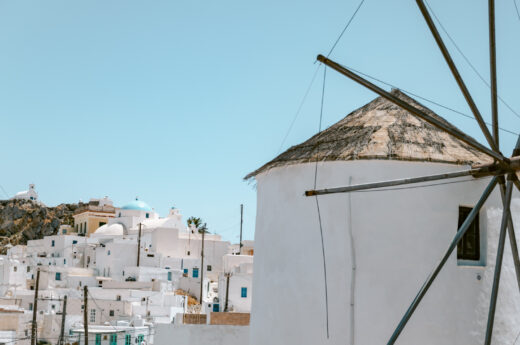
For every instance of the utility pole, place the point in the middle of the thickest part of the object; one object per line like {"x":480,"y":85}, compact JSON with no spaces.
{"x":146,"y":315}
{"x":85,"y":308}
{"x":139,"y":244}
{"x":228,"y":274}
{"x":63,"y":317}
{"x":241,"y":221}
{"x":35,"y":308}
{"x":202,"y":267}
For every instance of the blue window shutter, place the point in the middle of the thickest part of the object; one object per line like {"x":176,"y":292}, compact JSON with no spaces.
{"x":195,"y":273}
{"x":244,"y":292}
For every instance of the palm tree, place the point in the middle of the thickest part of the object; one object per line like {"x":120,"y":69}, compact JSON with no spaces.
{"x":198,"y":224}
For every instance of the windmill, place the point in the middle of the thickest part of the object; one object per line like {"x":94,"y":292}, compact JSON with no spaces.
{"x":503,"y":170}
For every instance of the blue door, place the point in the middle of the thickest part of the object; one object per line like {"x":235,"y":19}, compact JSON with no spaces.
{"x":216,"y":307}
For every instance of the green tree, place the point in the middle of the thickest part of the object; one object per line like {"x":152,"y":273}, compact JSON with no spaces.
{"x":198,"y":224}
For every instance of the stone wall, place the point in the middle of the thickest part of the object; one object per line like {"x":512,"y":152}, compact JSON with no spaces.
{"x":237,"y":319}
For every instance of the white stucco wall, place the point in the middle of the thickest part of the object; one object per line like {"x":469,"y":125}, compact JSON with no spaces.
{"x":399,"y":237}
{"x":201,"y":335}
{"x":237,"y":281}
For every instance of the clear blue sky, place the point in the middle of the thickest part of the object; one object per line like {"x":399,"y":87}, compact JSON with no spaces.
{"x":176,"y":101}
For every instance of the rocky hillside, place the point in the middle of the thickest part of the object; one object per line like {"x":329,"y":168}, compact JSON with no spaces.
{"x":22,"y":220}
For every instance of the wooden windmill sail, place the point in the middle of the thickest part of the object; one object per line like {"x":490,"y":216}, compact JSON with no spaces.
{"x":501,"y":168}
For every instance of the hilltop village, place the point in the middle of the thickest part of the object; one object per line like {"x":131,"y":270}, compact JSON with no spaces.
{"x":118,"y":273}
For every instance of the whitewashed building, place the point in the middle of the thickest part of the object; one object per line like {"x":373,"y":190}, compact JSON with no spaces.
{"x":136,"y":332}
{"x":29,"y":194}
{"x":235,"y":284}
{"x":133,"y":262}
{"x":378,"y":246}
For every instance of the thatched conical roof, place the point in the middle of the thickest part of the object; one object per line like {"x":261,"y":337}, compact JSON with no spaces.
{"x":381,"y":130}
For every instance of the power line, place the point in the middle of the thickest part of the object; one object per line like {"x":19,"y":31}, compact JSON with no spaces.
{"x":467,"y":60}
{"x":295,"y":117}
{"x":299,"y":108}
{"x":316,"y":169}
{"x":426,"y":99}
{"x":346,"y":27}
{"x":101,"y":309}
{"x":3,"y":190}
{"x":518,"y":14}
{"x":318,"y":208}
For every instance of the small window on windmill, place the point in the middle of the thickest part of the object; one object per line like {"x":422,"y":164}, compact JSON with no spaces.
{"x":469,"y":246}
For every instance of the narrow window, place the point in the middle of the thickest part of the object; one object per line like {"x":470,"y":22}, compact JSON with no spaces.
{"x":243,"y":293}
{"x":58,"y":276}
{"x":15,"y":268}
{"x":148,"y":215}
{"x":209,"y":268}
{"x":52,"y":243}
{"x":170,"y":276}
{"x":195,"y":273}
{"x":468,"y":247}
{"x":111,"y":313}
{"x":92,"y":315}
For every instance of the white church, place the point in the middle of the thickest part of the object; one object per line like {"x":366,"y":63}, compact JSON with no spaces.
{"x":29,"y":194}
{"x":379,"y":246}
